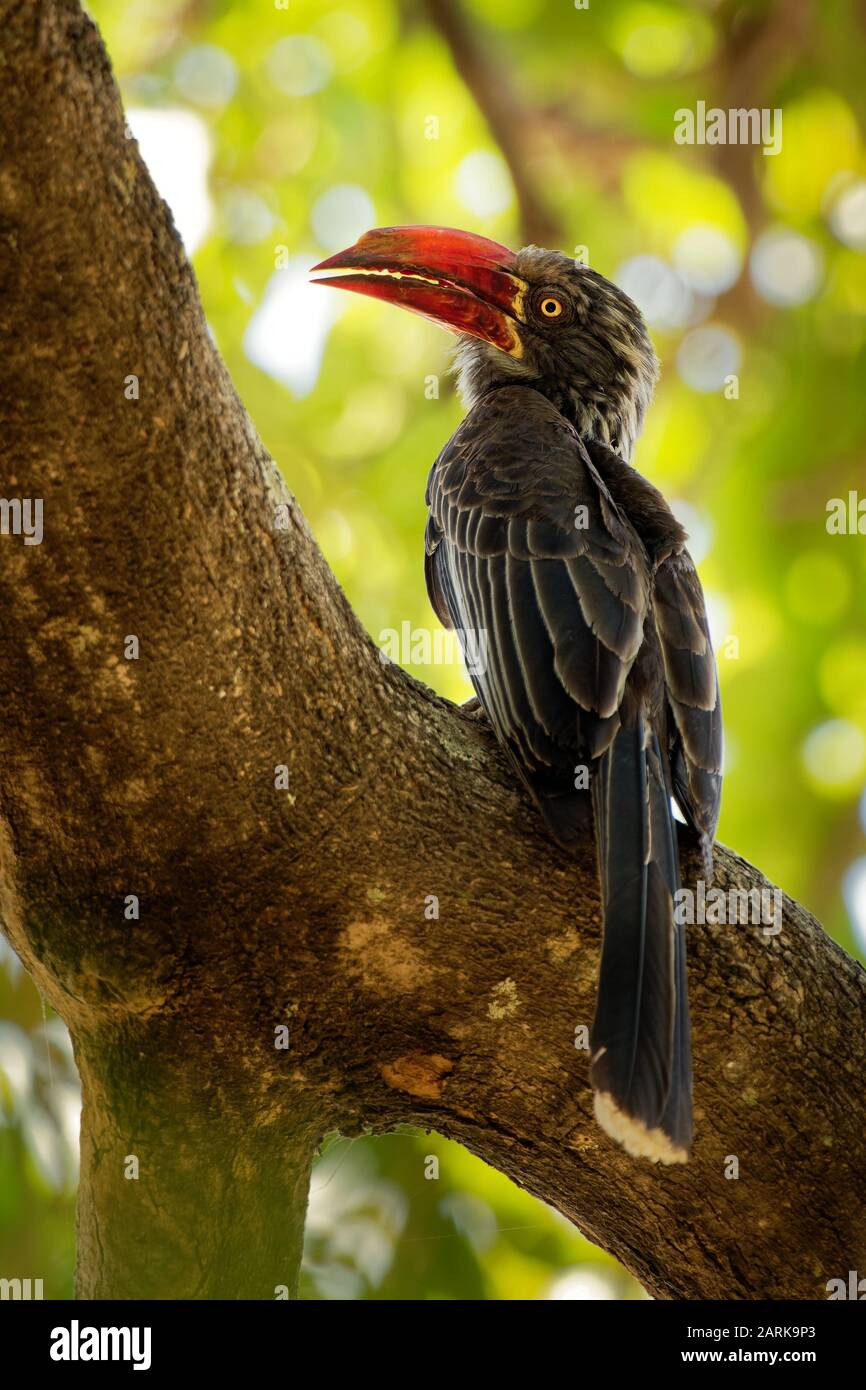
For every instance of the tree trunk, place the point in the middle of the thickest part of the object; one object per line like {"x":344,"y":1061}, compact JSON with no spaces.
{"x":263,"y":907}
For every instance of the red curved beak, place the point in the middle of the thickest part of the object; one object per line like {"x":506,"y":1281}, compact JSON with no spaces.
{"x":461,"y":281}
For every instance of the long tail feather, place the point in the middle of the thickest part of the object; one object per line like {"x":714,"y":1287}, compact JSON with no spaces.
{"x":640,"y":1041}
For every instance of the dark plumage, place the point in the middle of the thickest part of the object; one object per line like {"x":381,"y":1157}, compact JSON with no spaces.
{"x":598,"y":652}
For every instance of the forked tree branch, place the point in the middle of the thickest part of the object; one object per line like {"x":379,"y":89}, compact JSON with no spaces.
{"x":262,"y":907}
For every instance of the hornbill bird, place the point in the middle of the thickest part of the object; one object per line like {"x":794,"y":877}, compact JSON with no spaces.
{"x":599,"y":665}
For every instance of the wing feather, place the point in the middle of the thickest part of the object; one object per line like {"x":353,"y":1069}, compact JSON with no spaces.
{"x":526,"y":545}
{"x":692,"y":685}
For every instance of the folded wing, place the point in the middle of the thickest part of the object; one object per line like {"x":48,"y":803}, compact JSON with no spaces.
{"x":527,"y":552}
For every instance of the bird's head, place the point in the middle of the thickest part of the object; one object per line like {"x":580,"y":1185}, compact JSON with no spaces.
{"x":534,"y":317}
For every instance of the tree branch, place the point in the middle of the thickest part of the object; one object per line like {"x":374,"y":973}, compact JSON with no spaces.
{"x":504,"y":111}
{"x":262,"y":907}
{"x":754,"y":52}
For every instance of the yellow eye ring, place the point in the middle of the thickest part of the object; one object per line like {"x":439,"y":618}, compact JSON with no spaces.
{"x":551,"y":308}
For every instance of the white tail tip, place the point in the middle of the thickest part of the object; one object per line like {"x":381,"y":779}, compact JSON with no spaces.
{"x":634,"y":1135}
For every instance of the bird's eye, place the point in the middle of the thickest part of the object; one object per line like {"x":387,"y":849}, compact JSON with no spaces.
{"x":551,"y":308}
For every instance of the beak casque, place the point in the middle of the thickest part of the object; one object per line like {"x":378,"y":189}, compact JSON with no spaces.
{"x":459,"y":280}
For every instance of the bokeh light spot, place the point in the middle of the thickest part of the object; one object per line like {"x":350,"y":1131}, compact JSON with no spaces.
{"x":206,"y":75}
{"x":697,"y":525}
{"x":482,"y":184}
{"x":786,"y":268}
{"x":707,"y":357}
{"x":842,"y":678}
{"x":659,"y":292}
{"x":175,"y":146}
{"x":834,"y":756}
{"x":246,"y":216}
{"x":707,"y":258}
{"x":299,"y":65}
{"x":854,"y":895}
{"x":287,"y":334}
{"x":819,"y":138}
{"x":847,"y":215}
{"x":579,"y":1285}
{"x":658,"y":41}
{"x":341,"y":215}
{"x":817,"y":587}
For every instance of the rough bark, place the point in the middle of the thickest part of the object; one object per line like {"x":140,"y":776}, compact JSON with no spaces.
{"x":261,"y":907}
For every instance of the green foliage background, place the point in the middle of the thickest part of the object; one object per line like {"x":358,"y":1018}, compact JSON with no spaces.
{"x":324,"y":118}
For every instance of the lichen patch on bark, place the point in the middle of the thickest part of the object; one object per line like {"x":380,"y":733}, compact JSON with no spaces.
{"x":386,"y":961}
{"x":505,"y":1002}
